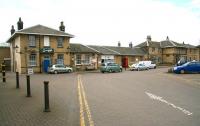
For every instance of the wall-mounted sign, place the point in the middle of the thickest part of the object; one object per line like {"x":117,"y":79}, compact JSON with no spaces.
{"x":47,"y":50}
{"x":30,"y":71}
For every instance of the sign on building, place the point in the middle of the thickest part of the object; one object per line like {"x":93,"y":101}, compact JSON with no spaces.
{"x":30,"y":71}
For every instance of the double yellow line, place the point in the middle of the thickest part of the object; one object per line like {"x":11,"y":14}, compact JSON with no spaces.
{"x":84,"y":107}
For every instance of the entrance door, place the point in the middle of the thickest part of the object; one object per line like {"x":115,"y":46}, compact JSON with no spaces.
{"x":46,"y":63}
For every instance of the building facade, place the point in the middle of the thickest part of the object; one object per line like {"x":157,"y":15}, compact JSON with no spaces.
{"x":83,"y":57}
{"x":5,"y":55}
{"x":168,"y":51}
{"x":38,"y":47}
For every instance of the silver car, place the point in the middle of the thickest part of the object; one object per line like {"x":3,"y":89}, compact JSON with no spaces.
{"x":138,"y":67}
{"x":59,"y":68}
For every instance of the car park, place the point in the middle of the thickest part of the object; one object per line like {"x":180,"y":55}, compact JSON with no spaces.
{"x":189,"y":67}
{"x":110,"y":67}
{"x":138,"y":67}
{"x":59,"y":68}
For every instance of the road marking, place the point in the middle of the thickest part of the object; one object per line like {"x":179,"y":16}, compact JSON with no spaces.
{"x":82,"y":121}
{"x":91,"y":123}
{"x":83,"y":103}
{"x":158,"y":98}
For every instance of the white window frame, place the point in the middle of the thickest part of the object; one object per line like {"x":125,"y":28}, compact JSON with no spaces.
{"x":32,"y":41}
{"x":87,"y":59}
{"x":78,"y":61}
{"x":46,"y":41}
{"x":60,"y":41}
{"x":32,"y":60}
{"x":59,"y":59}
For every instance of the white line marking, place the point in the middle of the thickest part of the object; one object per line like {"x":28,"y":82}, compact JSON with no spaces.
{"x":154,"y":97}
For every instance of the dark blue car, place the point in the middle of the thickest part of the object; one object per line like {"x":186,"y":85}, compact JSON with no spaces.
{"x":189,"y":67}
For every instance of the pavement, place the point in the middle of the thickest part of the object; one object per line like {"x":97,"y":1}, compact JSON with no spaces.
{"x":130,"y":98}
{"x":18,"y":110}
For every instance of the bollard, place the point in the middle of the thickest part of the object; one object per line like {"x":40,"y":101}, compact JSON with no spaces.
{"x":46,"y":96}
{"x":4,"y":76}
{"x":17,"y":79}
{"x":4,"y":73}
{"x":28,"y":86}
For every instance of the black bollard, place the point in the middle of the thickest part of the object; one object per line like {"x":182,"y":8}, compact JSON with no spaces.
{"x":28,"y":86}
{"x":46,"y":96}
{"x":4,"y":73}
{"x":4,"y":76}
{"x":17,"y":79}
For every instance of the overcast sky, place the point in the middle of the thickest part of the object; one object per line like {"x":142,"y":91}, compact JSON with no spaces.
{"x":105,"y":22}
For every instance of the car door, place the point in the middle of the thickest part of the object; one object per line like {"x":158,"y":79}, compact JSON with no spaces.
{"x":190,"y":67}
{"x":198,"y":67}
{"x":63,"y":68}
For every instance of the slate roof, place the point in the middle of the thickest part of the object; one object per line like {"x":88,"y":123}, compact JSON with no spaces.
{"x":41,"y":30}
{"x":4,"y":45}
{"x":149,"y":43}
{"x":79,"y":48}
{"x":189,"y":46}
{"x":126,"y":50}
{"x":104,"y":50}
{"x":198,"y":46}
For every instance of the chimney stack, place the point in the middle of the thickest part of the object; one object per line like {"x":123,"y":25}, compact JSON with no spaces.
{"x":148,"y":38}
{"x":12,"y":31}
{"x":62,"y":27}
{"x":20,"y":24}
{"x":167,"y":38}
{"x":130,"y":45}
{"x":183,"y":43}
{"x":119,"y":44}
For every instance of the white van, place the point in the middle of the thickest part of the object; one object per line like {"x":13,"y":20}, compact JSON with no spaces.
{"x":148,"y":64}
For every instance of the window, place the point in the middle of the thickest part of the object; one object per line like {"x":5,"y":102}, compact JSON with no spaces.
{"x":32,"y":42}
{"x":46,"y":41}
{"x":32,"y":60}
{"x":153,"y":49}
{"x":60,"y":41}
{"x":87,"y":59}
{"x":60,"y":59}
{"x":78,"y":59}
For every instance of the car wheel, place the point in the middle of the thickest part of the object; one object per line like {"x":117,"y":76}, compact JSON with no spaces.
{"x":69,"y":71}
{"x":182,"y":71}
{"x":55,"y":72}
{"x":102,"y":71}
{"x":110,"y":71}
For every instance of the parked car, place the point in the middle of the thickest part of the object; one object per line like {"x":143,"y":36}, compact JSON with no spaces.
{"x":189,"y":67}
{"x":110,"y":67}
{"x":90,"y":67}
{"x":138,"y":67}
{"x":148,"y":64}
{"x":59,"y":68}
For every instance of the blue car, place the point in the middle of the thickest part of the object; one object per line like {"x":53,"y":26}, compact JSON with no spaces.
{"x":189,"y":67}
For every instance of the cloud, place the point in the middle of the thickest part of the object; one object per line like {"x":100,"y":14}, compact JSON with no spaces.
{"x":105,"y":22}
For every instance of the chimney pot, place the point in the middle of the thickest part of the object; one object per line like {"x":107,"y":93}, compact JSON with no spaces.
{"x":119,"y":44}
{"x":20,"y":24}
{"x":148,"y":38}
{"x":62,"y":27}
{"x":167,"y":38}
{"x":12,"y":31}
{"x":130,"y":45}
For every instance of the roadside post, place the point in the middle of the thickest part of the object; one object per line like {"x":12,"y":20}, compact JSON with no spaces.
{"x":46,"y":96}
{"x":28,"y":86}
{"x":3,"y":72}
{"x":17,"y":80}
{"x":30,"y":71}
